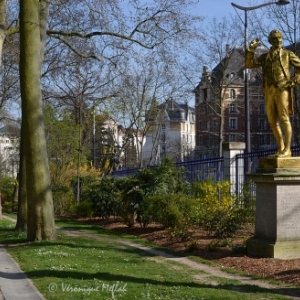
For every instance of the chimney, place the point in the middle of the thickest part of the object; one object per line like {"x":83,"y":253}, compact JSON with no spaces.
{"x":172,"y":104}
{"x":227,"y":50}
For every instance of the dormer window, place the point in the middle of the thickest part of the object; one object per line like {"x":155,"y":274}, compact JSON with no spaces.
{"x":230,"y":75}
{"x":232,"y":93}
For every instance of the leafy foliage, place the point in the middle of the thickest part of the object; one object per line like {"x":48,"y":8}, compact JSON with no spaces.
{"x":162,"y":180}
{"x":160,"y":195}
{"x":218,"y":209}
{"x":7,"y":189}
{"x":63,"y":199}
{"x":178,"y":212}
{"x":103,"y":195}
{"x":62,"y":134}
{"x":84,"y":209}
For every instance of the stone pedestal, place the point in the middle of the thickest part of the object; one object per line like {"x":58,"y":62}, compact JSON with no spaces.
{"x":233,"y":171}
{"x":277,"y":224}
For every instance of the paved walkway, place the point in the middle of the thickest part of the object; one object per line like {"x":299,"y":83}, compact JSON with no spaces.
{"x":15,"y":285}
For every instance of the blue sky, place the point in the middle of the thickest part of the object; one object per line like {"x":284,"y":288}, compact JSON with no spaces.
{"x":217,"y":8}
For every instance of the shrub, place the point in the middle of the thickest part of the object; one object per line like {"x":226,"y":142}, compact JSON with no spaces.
{"x":220,"y":212}
{"x":63,"y":200}
{"x":84,"y":209}
{"x":125,"y":197}
{"x":8,"y":187}
{"x":104,"y":196}
{"x":175,"y":211}
{"x":162,"y":180}
{"x":131,"y":197}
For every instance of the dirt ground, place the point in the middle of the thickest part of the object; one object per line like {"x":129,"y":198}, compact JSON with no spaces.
{"x":227,"y":252}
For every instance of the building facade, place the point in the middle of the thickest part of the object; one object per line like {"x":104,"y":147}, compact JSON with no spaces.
{"x":113,"y":145}
{"x":220,"y":106}
{"x":9,"y":154}
{"x":171,"y":132}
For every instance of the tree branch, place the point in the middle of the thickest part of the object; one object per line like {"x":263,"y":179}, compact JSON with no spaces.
{"x":56,"y":34}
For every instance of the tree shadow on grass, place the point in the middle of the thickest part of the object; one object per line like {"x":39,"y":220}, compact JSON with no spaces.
{"x":106,"y":276}
{"x":126,"y":279}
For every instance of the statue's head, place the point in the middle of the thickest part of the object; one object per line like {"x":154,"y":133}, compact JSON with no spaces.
{"x":274,"y":35}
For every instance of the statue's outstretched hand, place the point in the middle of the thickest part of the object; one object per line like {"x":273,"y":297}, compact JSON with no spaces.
{"x":297,"y":79}
{"x":254,"y":44}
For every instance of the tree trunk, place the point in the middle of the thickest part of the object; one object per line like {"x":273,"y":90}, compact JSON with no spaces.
{"x":2,"y":26}
{"x":21,"y":224}
{"x":43,"y":18}
{"x":40,"y":215}
{"x":2,"y":38}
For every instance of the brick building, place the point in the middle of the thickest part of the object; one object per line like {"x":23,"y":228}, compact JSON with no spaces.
{"x":219,"y":106}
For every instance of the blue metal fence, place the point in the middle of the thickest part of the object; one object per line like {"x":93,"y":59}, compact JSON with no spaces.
{"x":213,"y":168}
{"x":202,"y":169}
{"x":193,"y":170}
{"x":242,"y":184}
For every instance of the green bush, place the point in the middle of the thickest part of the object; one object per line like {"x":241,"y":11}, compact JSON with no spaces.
{"x":131,"y":197}
{"x":84,"y":209}
{"x":104,"y":196}
{"x":175,"y":211}
{"x":162,"y":180}
{"x":63,"y":200}
{"x":8,"y":187}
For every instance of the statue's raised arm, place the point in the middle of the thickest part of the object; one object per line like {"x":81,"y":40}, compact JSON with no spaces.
{"x":253,"y":45}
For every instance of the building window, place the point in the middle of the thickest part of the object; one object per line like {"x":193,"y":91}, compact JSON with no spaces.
{"x":200,"y":140}
{"x":206,"y":110}
{"x":232,"y":123}
{"x":205,"y":94}
{"x":230,"y":75}
{"x":200,"y":125}
{"x":163,"y":126}
{"x":261,"y":109}
{"x":262,"y":139}
{"x":262,"y":124}
{"x":215,"y":124}
{"x":232,"y":137}
{"x":272,"y":139}
{"x":207,"y":126}
{"x":232,"y":108}
{"x":232,"y":93}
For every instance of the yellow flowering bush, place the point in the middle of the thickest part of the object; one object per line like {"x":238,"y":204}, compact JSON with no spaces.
{"x":218,"y":209}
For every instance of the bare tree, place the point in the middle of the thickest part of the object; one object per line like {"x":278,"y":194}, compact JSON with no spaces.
{"x":94,"y":30}
{"x":217,"y":50}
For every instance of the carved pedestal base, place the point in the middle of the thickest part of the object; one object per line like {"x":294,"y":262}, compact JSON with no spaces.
{"x":277,"y":220}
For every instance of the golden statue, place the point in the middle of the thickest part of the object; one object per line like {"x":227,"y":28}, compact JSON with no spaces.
{"x":277,"y":87}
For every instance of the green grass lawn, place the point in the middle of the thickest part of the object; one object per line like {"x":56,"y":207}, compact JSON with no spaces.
{"x":86,"y":268}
